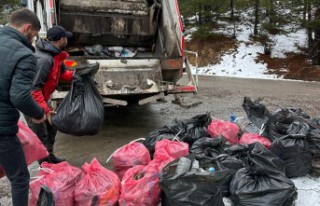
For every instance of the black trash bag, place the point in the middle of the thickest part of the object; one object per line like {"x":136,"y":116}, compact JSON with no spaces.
{"x":187,"y":181}
{"x":87,"y":69}
{"x":208,"y":146}
{"x":187,"y":131}
{"x":261,"y":182}
{"x":237,"y":150}
{"x":257,"y":113}
{"x":82,"y":111}
{"x":313,"y":136}
{"x":229,"y":162}
{"x":233,"y":165}
{"x":45,"y":197}
{"x":263,"y":158}
{"x":262,"y":189}
{"x":196,"y":128}
{"x":295,"y":151}
{"x":169,"y":132}
{"x":313,"y":139}
{"x":314,"y":123}
{"x":315,"y":172}
{"x":284,"y":122}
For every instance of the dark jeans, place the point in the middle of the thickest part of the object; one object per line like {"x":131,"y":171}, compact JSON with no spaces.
{"x":45,"y":132}
{"x":13,"y":161}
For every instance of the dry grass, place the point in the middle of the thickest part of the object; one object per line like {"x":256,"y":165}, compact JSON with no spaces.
{"x":294,"y":66}
{"x":211,"y":50}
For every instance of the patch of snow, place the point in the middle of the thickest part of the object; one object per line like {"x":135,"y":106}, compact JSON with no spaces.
{"x":193,"y":19}
{"x":239,"y":63}
{"x":242,"y":61}
{"x":191,"y":30}
{"x":308,"y":191}
{"x":288,"y":43}
{"x":188,"y":37}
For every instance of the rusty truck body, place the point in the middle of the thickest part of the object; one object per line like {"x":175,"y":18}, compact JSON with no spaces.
{"x":139,"y":45}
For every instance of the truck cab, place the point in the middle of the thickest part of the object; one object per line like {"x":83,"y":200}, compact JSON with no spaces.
{"x":139,"y":45}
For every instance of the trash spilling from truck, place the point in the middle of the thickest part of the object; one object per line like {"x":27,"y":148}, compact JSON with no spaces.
{"x":254,"y":160}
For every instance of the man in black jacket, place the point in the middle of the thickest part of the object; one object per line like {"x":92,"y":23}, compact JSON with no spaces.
{"x":17,"y":70}
{"x":50,"y":71}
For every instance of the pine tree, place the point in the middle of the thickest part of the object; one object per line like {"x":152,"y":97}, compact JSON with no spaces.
{"x":256,"y":15}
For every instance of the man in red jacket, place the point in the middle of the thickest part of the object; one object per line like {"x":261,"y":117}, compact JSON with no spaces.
{"x":50,"y":71}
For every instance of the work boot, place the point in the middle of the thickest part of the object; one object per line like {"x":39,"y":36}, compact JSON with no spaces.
{"x":55,"y":160}
{"x":47,"y":159}
{"x":51,"y":159}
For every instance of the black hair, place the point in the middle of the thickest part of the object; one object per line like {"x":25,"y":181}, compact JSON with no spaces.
{"x":25,"y":16}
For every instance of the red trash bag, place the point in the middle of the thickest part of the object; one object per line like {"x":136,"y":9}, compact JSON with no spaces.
{"x":167,"y":151}
{"x":140,"y":186}
{"x":249,"y":138}
{"x":32,"y":147}
{"x":129,"y":156}
{"x":99,"y":186}
{"x":226,"y":129}
{"x":60,"y":178}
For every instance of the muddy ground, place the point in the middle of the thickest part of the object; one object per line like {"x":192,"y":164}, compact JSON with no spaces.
{"x":220,"y":95}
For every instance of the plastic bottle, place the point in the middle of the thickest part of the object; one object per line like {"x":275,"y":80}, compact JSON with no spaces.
{"x":245,"y":125}
{"x":211,"y":169}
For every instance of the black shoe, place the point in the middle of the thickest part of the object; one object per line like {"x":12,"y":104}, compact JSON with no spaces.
{"x":47,"y":159}
{"x":55,"y":160}
{"x":51,"y":159}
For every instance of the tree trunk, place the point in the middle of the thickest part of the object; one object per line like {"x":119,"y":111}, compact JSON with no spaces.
{"x":305,"y":8}
{"x":316,"y":46}
{"x":232,"y":9}
{"x":310,"y":40}
{"x":256,"y":21}
{"x":200,"y":14}
{"x":272,"y":13}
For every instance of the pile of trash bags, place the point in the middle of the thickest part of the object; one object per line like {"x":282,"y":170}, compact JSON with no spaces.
{"x":198,"y":162}
{"x":69,"y":186}
{"x":132,"y":183}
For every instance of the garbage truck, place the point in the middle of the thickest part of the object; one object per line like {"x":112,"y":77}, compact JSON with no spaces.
{"x":139,"y":45}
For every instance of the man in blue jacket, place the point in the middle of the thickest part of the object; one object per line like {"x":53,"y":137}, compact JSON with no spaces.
{"x":17,"y":70}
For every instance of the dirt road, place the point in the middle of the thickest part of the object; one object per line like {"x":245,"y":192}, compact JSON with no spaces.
{"x":222,"y":96}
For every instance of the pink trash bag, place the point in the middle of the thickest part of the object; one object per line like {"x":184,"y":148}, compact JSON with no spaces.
{"x":60,"y":178}
{"x":248,"y":138}
{"x":32,"y":146}
{"x":99,"y":186}
{"x":140,"y":186}
{"x":226,"y":129}
{"x":167,"y":151}
{"x":129,"y":156}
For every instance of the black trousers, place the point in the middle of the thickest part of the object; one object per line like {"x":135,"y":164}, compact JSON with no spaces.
{"x":45,"y":132}
{"x":13,"y":161}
